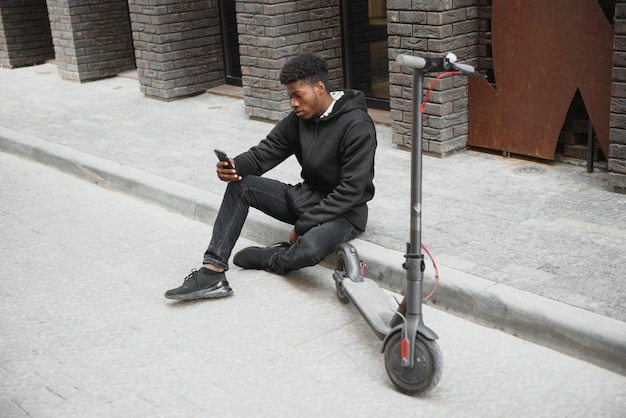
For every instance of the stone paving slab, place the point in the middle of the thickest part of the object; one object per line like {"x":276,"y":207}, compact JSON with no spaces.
{"x":571,"y":330}
{"x":86,"y":331}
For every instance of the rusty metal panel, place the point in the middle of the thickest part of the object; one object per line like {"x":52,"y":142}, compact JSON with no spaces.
{"x":543,"y":51}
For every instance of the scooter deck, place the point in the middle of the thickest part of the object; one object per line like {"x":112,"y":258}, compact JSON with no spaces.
{"x":373,"y":303}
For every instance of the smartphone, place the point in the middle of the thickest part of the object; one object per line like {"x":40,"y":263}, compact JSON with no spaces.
{"x":223,"y":157}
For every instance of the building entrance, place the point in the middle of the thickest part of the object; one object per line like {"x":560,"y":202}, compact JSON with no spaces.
{"x":230,"y":42}
{"x":364,"y":42}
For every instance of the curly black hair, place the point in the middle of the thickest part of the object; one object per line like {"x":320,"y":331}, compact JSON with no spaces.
{"x":306,"y":67}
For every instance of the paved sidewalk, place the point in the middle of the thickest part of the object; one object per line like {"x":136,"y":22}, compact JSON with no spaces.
{"x":86,"y":330}
{"x":536,"y":249}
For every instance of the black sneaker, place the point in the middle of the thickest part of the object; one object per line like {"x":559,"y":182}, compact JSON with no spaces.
{"x":201,"y":284}
{"x":258,"y":258}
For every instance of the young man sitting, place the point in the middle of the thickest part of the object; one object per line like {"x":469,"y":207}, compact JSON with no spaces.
{"x":334,"y":140}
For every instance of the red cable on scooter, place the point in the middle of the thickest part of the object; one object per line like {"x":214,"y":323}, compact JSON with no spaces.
{"x":439,"y":77}
{"x":436,"y":272}
{"x":422,"y":108}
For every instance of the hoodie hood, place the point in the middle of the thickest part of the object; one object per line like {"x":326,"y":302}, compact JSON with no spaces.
{"x":349,"y":100}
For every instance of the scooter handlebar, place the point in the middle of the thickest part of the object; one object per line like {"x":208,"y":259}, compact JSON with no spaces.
{"x":410,"y":61}
{"x":465,"y":69}
{"x":447,"y":63}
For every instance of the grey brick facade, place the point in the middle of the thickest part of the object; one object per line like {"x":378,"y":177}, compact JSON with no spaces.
{"x":91,"y":38}
{"x":431,"y":29}
{"x":177,"y":45}
{"x":177,"y":48}
{"x":617,"y":149}
{"x":25,"y":37}
{"x":271,"y":32}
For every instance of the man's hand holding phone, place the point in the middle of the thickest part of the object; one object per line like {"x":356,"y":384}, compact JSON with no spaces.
{"x":226,"y":167}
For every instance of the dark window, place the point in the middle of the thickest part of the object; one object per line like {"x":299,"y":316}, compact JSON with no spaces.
{"x":364,"y":35}
{"x":230,"y":42}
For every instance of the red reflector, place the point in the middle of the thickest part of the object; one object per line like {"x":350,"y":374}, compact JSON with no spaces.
{"x":405,"y":349}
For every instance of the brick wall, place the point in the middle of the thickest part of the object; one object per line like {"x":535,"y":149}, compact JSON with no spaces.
{"x":92,"y":38}
{"x":617,"y":148}
{"x":177,"y":46}
{"x":485,"y":57}
{"x":25,"y":37}
{"x":432,"y":29}
{"x":271,"y":32}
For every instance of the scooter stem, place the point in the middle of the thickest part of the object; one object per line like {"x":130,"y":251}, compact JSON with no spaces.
{"x":414,"y":256}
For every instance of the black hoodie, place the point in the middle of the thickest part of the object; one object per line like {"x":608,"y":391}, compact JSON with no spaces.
{"x":337,"y":158}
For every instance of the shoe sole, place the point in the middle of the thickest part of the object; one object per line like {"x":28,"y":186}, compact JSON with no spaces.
{"x":220,"y":292}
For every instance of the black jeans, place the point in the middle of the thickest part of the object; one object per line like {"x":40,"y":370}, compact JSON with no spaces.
{"x":270,"y":197}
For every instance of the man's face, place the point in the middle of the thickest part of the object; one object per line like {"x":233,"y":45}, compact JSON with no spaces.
{"x":306,"y":98}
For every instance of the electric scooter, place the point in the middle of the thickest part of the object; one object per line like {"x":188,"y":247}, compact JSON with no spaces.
{"x":413,"y":359}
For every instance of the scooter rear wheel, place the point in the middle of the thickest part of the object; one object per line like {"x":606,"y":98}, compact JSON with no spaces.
{"x":341,"y":267}
{"x":427,"y":366}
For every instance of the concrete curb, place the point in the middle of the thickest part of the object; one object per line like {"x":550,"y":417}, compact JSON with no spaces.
{"x":572,"y":331}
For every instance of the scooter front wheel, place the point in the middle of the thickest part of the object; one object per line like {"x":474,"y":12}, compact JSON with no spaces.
{"x":427,"y":365}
